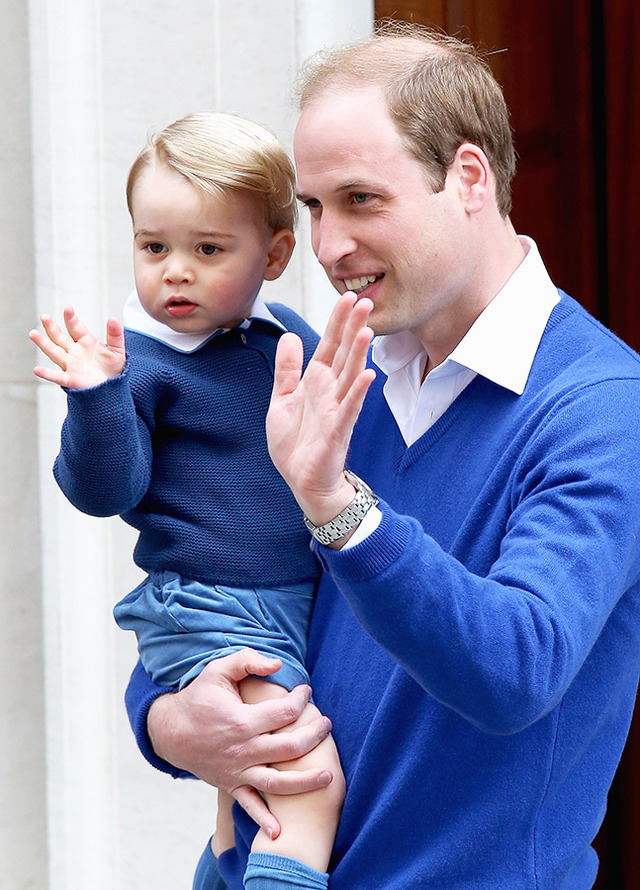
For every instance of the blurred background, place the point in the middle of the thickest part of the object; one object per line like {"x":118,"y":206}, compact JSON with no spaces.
{"x":81,"y":84}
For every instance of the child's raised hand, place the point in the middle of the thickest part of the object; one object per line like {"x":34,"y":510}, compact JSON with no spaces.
{"x":82,"y":360}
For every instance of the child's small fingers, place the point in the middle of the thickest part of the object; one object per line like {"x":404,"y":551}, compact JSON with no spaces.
{"x":55,"y":333}
{"x":51,"y":375}
{"x":76,"y":328}
{"x":57,"y":354}
{"x":115,"y":334}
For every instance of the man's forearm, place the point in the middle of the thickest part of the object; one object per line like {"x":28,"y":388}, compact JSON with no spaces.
{"x":140,"y":694}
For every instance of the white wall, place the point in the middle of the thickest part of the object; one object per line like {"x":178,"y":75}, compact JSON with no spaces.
{"x":81,"y":83}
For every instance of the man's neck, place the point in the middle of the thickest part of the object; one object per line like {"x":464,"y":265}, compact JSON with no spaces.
{"x":496,"y":260}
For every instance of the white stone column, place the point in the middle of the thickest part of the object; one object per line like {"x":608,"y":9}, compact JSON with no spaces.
{"x":23,"y":850}
{"x":104,"y":72}
{"x":70,"y":250}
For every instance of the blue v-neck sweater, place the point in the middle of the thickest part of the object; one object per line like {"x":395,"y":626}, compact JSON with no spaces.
{"x":479,"y":653}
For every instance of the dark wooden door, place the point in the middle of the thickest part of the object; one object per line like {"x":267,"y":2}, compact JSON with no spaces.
{"x":570,"y":70}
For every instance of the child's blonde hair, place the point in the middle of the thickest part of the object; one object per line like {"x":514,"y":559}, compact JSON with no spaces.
{"x":221,"y":154}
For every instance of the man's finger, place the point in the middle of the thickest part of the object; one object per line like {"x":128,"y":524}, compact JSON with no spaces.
{"x":288,"y":365}
{"x":352,"y":334}
{"x":242,"y":664}
{"x":332,"y":338}
{"x":282,"y":747}
{"x":353,"y":361}
{"x":270,"y":780}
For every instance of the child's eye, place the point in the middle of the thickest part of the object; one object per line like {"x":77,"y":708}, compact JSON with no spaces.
{"x":208,"y":249}
{"x":155,"y":247}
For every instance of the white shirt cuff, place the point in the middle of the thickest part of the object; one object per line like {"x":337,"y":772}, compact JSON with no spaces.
{"x":368,"y":525}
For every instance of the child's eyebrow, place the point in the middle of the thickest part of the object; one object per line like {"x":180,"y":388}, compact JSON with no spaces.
{"x":213,"y":236}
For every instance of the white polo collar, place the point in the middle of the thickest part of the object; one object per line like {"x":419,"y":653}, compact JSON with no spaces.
{"x":135,"y":318}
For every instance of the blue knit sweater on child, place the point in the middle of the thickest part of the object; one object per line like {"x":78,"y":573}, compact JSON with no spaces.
{"x":176,"y":444}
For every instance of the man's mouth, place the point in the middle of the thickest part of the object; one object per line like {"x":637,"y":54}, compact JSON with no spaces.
{"x":357,"y":285}
{"x":180,"y":308}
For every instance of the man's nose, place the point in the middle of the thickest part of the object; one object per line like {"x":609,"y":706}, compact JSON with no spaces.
{"x":332,"y":240}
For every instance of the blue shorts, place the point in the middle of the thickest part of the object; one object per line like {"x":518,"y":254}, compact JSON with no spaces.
{"x":182,"y":625}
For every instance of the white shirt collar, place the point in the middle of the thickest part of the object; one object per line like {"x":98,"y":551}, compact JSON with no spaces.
{"x":135,"y":318}
{"x":502,"y":342}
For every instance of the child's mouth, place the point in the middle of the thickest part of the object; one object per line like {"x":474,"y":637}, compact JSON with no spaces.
{"x":180,"y":308}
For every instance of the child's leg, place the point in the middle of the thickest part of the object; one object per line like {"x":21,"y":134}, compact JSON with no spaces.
{"x":309,"y":821}
{"x":224,"y":838}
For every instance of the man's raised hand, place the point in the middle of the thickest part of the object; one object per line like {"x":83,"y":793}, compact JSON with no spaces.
{"x":311,"y":417}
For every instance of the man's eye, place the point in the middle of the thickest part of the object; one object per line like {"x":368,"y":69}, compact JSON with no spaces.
{"x":208,"y":249}
{"x":155,"y":247}
{"x":360,"y":197}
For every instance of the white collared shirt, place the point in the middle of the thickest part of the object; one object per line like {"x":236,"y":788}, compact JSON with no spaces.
{"x":500,"y":345}
{"x":136,"y":318}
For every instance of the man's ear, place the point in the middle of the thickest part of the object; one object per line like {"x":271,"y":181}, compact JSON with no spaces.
{"x":475,"y":176}
{"x":279,"y":253}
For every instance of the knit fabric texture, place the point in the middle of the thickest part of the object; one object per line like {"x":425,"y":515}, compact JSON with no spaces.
{"x":479,"y":653}
{"x":176,"y":445}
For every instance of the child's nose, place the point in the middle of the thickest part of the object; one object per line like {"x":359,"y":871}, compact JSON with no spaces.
{"x":177,"y":270}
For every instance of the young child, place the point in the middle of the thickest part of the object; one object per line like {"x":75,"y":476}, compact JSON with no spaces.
{"x":165,"y":426}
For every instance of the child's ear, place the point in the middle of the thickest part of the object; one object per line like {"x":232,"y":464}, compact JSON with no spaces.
{"x":279,"y":253}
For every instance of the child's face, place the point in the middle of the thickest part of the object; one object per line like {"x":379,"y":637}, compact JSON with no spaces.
{"x":199,"y":260}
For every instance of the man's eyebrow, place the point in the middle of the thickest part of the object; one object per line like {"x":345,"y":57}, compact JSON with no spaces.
{"x":357,"y":185}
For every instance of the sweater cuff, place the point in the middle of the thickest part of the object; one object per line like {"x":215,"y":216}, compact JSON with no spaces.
{"x":367,"y":559}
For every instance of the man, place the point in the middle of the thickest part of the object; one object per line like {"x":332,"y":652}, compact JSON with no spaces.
{"x":475,"y":636}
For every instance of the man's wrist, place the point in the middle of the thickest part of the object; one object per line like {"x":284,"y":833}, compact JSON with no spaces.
{"x":366,"y":528}
{"x":343,"y":524}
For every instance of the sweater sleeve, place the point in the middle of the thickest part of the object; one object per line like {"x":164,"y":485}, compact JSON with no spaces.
{"x":502,"y":647}
{"x":104,"y":464}
{"x":140,"y":694}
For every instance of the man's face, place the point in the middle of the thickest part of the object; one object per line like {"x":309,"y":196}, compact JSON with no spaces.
{"x":377,"y":227}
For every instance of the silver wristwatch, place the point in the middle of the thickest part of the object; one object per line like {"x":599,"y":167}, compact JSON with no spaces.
{"x":351,"y":516}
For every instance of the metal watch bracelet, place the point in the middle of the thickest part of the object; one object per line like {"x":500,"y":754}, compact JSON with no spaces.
{"x":351,"y":516}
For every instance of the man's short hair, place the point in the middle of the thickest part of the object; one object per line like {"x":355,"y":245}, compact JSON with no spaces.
{"x":439,"y":90}
{"x":225,"y":154}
